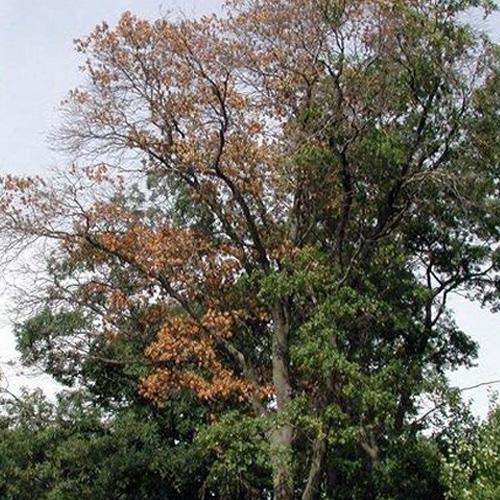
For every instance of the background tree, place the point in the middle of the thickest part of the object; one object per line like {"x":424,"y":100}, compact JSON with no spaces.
{"x":72,"y":449}
{"x":274,"y":207}
{"x":472,"y":467}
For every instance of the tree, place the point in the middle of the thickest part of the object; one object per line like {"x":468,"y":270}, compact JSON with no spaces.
{"x":72,"y":449}
{"x":275,"y":205}
{"x":473,"y":464}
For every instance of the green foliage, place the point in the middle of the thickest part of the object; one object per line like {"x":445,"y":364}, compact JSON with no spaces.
{"x":240,"y":456}
{"x":41,"y":340}
{"x":73,"y":450}
{"x":472,"y":467}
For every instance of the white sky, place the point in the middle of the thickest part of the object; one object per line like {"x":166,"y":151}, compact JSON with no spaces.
{"x":37,"y":68}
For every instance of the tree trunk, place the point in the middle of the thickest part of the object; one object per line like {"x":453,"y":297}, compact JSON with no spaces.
{"x":312,"y":488}
{"x":281,"y":437}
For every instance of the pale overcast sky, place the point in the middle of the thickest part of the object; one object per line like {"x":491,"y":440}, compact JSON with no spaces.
{"x":38,"y":66}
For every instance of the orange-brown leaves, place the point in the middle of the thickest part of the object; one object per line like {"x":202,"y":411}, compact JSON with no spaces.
{"x":181,"y":255}
{"x":187,"y":351}
{"x":181,"y":94}
{"x":223,"y":383}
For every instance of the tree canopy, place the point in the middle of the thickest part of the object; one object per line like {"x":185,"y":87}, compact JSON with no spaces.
{"x":248,"y":261}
